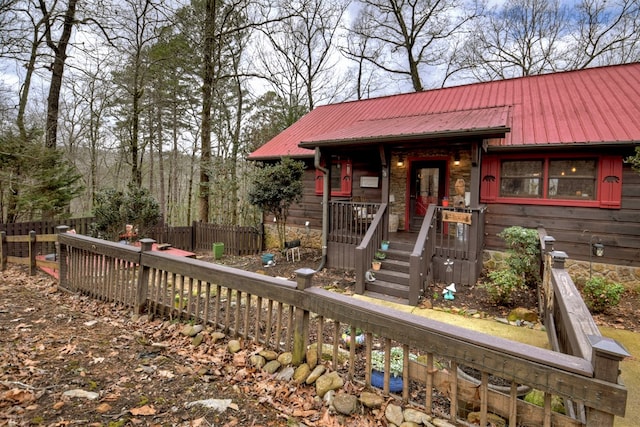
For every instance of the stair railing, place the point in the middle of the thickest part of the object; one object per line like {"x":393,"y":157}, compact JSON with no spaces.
{"x":420,"y":268}
{"x":368,"y":246}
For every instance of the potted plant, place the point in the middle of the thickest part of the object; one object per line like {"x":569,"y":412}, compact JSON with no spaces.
{"x":384,"y":245}
{"x":358,"y":339}
{"x":380,"y":255}
{"x":376,"y":264}
{"x":396,"y":362}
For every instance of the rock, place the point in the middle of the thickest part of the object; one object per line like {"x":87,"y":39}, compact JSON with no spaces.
{"x":331,"y":381}
{"x":271,"y":366}
{"x":191,"y":330}
{"x":492,"y":419}
{"x":234,"y":346}
{"x":257,"y":361}
{"x":217,"y":336}
{"x":371,"y":400}
{"x":345,"y":404}
{"x":312,"y":358}
{"x":409,"y":424}
{"x":269,"y":354}
{"x":285,"y":374}
{"x":328,"y":398}
{"x":301,"y":374}
{"x":315,"y":374}
{"x":521,"y":313}
{"x":81,"y":393}
{"x":502,"y":320}
{"x":393,"y":414}
{"x":219,"y":405}
{"x":437,"y":422}
{"x":327,"y":352}
{"x":285,"y":358}
{"x":414,"y":416}
{"x":197,"y":340}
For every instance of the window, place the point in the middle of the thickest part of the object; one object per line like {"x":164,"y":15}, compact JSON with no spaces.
{"x":340,"y":181}
{"x":553,"y":180}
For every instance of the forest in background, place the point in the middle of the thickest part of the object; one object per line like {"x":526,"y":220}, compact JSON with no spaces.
{"x":171,"y":96}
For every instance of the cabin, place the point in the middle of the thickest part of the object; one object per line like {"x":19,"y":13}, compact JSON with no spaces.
{"x":438,"y":174}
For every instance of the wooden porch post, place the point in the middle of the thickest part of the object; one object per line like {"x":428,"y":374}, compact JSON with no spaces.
{"x":301,"y":327}
{"x":143,"y":278}
{"x":606,"y":357}
{"x":61,"y":256}
{"x":476,"y":162}
{"x":386,"y":177}
{"x":32,"y":253}
{"x":4,"y":247}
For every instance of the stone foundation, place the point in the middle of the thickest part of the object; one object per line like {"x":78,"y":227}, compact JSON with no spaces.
{"x":629,"y":277}
{"x":310,"y":239}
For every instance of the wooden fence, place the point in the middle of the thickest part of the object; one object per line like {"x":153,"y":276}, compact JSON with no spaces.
{"x":237,"y":240}
{"x":286,"y":315}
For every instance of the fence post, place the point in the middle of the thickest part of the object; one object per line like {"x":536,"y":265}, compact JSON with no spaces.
{"x":4,"y":247}
{"x":606,"y":357}
{"x":301,"y":327}
{"x":32,"y":253}
{"x":61,"y":256}
{"x":143,"y":278}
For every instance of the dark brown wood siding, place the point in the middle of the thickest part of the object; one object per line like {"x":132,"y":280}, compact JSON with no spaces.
{"x":573,"y":227}
{"x":365,"y":163}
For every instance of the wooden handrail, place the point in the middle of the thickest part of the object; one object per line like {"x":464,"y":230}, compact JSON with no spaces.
{"x":367,"y":247}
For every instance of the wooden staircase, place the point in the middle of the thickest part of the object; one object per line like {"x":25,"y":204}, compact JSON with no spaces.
{"x":392,"y":280}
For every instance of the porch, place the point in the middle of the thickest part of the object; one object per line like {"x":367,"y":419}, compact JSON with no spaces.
{"x":447,"y":248}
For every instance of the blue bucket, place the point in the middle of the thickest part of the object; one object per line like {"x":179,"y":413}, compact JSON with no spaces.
{"x":266,"y":258}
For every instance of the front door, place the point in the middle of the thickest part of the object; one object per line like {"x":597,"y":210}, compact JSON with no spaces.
{"x":427,"y":186}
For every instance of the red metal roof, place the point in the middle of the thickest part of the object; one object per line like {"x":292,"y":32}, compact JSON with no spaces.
{"x":591,"y":106}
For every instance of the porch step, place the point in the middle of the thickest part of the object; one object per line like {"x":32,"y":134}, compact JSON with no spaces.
{"x":388,"y":288}
{"x":386,"y":297}
{"x":392,"y":280}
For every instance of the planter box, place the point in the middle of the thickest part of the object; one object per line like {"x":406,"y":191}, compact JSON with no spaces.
{"x":377,"y":380}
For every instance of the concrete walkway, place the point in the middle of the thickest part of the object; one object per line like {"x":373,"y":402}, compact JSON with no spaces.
{"x":630,"y":367}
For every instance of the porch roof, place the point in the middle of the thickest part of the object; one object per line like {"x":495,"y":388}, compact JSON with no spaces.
{"x":492,"y":121}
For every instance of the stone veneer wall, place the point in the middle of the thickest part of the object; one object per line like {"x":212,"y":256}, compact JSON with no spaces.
{"x":398,"y":179}
{"x":579,"y":270}
{"x":312,"y":239}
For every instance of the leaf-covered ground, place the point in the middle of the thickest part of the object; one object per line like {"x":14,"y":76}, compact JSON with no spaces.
{"x":127,"y":371}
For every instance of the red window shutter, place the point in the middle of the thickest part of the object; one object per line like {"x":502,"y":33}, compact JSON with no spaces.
{"x":489,"y":178}
{"x":319,"y":181}
{"x":345,"y":178}
{"x":610,"y":182}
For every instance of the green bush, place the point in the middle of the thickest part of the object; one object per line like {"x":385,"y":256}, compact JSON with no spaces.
{"x":600,"y":294}
{"x":501,"y":284}
{"x":524,"y":253}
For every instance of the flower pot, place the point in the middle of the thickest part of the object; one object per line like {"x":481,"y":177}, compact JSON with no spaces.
{"x":375,"y":265}
{"x":377,"y":380}
{"x":384,"y":246}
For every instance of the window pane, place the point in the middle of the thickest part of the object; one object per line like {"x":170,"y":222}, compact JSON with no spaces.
{"x":336,"y":177}
{"x":572,"y":179}
{"x":521,"y":178}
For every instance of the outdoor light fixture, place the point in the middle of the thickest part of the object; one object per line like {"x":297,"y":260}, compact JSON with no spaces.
{"x":400,"y":160}
{"x":456,"y":159}
{"x":597,"y":249}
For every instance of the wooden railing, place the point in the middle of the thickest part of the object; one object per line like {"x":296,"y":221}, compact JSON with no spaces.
{"x":238,"y":240}
{"x":420,"y":265}
{"x":284,"y":315}
{"x":35,"y":243}
{"x":367,"y":248}
{"x":571,"y":328}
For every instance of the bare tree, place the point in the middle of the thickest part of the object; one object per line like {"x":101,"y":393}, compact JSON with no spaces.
{"x":521,"y":38}
{"x":409,"y":40}
{"x":607,"y":32}
{"x":300,"y":55}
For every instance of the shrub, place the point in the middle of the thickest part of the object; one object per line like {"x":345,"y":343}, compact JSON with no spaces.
{"x":524,"y":253}
{"x":600,"y":294}
{"x":501,"y":284}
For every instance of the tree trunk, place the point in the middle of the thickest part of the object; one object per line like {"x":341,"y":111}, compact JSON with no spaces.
{"x":57,"y":69}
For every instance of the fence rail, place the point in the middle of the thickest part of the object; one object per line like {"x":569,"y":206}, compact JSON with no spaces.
{"x":237,"y":240}
{"x":287,"y":315}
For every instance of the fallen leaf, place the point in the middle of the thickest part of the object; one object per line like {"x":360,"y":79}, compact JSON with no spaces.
{"x":143,"y":410}
{"x":17,"y":396}
{"x":103,"y":407}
